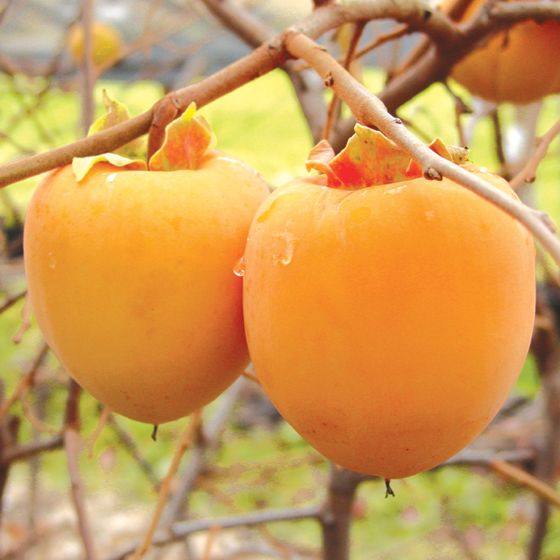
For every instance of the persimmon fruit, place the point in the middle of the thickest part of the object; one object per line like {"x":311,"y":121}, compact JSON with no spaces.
{"x":519,"y":65}
{"x":107,"y":43}
{"x":130,"y":273}
{"x":387,"y":315}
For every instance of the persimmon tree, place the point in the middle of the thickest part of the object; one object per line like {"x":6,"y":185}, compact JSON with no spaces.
{"x":449,"y":35}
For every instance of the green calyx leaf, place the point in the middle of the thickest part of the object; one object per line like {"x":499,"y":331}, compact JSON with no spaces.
{"x":82,"y":166}
{"x":116,"y":113}
{"x":129,"y":155}
{"x":188,"y":139}
{"x":370,"y":158}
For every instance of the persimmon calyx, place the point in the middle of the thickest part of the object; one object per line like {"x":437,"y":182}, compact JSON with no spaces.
{"x":128,"y":156}
{"x":370,"y":158}
{"x":188,"y":139}
{"x":82,"y":166}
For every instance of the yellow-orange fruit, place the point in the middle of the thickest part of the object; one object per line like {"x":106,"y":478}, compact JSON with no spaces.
{"x":106,"y":43}
{"x":519,"y":65}
{"x":387,"y":323}
{"x":130,"y":278}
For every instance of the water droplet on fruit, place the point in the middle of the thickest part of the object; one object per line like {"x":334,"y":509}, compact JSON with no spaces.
{"x":111,"y":178}
{"x":284,"y":252}
{"x":239,"y":268}
{"x":51,"y":261}
{"x":287,"y":257}
{"x":396,"y":190}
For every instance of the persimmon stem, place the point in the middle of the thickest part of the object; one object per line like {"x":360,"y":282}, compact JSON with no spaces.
{"x":388,"y":490}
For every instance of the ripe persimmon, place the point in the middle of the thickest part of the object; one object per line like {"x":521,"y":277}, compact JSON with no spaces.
{"x":130,"y":273}
{"x":106,"y":43}
{"x":387,"y":315}
{"x":518,"y":65}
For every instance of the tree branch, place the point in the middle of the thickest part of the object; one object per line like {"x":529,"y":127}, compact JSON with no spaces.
{"x":262,"y":60}
{"x":182,"y":529}
{"x":370,"y":111}
{"x":529,"y":171}
{"x":72,"y":444}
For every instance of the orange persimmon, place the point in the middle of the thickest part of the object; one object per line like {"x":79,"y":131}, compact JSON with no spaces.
{"x":107,"y":43}
{"x":519,"y":65}
{"x":130,"y":273}
{"x":387,"y":315}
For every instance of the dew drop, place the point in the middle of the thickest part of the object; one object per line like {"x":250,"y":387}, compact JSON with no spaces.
{"x":395,"y":190}
{"x":239,"y":268}
{"x":51,"y":260}
{"x":285,"y":249}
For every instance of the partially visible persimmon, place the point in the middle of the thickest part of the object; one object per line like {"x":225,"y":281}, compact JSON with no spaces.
{"x":130,"y":272}
{"x":518,"y":65}
{"x":106,"y":43}
{"x":387,"y":315}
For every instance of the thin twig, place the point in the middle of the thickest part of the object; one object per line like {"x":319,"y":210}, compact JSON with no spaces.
{"x":526,"y":479}
{"x":165,"y":488}
{"x":26,"y":381}
{"x":88,"y":71}
{"x":25,"y":321}
{"x":198,"y":459}
{"x":529,"y":171}
{"x":101,"y":423}
{"x":397,"y":33}
{"x":334,"y":104}
{"x":72,"y":445}
{"x":210,"y":540}
{"x":130,"y":446}
{"x":26,"y":451}
{"x":182,"y":529}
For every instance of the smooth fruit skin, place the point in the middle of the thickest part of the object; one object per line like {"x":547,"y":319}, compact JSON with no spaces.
{"x":389,"y":323}
{"x":130,"y":278}
{"x":518,"y":66}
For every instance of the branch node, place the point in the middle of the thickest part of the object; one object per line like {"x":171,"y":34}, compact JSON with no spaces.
{"x":329,"y":80}
{"x":432,"y":174}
